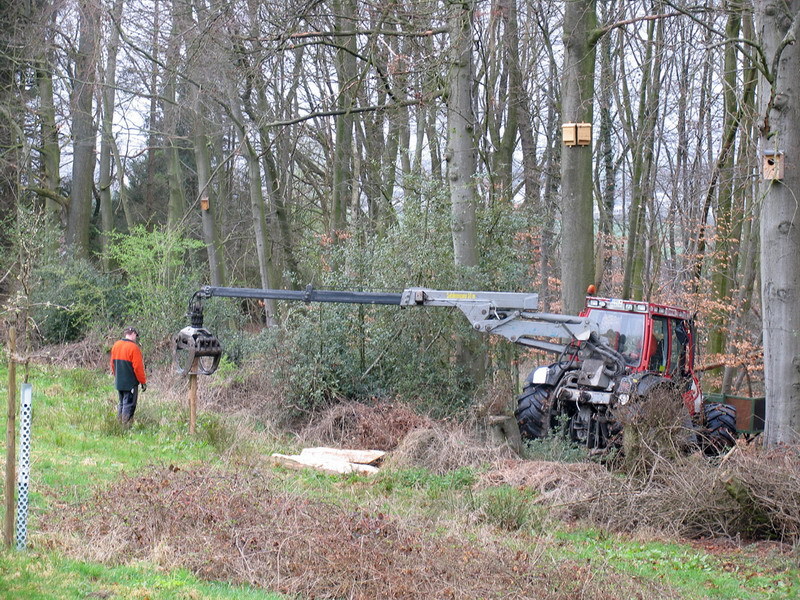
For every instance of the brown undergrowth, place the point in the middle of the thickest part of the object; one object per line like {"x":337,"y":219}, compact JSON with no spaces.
{"x":238,"y":527}
{"x":234,"y":523}
{"x":565,"y":488}
{"x":748,"y":495}
{"x":380,"y":426}
{"x":443,"y":447}
{"x":92,"y":352}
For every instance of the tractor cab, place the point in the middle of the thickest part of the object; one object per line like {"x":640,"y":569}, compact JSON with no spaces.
{"x":651,"y":337}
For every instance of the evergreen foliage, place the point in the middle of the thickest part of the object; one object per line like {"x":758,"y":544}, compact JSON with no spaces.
{"x":71,"y":298}
{"x":327,"y":352}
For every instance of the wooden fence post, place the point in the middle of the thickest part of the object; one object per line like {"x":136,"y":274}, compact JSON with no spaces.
{"x":11,"y":438}
{"x":192,"y":402}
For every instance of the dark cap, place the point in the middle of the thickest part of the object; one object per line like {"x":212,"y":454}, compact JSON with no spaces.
{"x":130,"y":330}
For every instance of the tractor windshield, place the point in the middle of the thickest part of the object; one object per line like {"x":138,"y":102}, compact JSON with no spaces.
{"x":623,"y":331}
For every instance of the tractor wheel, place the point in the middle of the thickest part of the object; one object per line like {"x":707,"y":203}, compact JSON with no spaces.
{"x":533,"y":411}
{"x":720,"y":426}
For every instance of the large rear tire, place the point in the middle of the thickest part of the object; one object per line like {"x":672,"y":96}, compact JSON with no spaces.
{"x":533,"y":411}
{"x":720,"y":426}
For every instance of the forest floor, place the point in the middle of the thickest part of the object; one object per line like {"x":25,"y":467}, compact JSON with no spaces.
{"x":447,"y":516}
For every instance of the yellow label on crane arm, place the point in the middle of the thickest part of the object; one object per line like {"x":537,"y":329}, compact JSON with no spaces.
{"x":461,"y":296}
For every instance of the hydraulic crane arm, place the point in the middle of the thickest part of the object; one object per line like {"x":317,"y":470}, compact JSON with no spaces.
{"x":509,"y":314}
{"x":308,"y":295}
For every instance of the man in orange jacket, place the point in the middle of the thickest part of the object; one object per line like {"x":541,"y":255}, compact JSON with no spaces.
{"x":127,"y":366}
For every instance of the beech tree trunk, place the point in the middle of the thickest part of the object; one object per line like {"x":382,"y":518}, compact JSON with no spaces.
{"x":51,"y":152}
{"x":504,"y":83}
{"x":748,"y":208}
{"x":267,"y":269}
{"x":577,"y":97}
{"x":727,"y":216}
{"x":780,"y":238}
{"x":177,"y":198}
{"x":461,"y":137}
{"x":550,"y":191}
{"x":461,"y":164}
{"x":643,"y":150}
{"x":84,"y":133}
{"x":107,"y":138}
{"x":605,"y":160}
{"x":208,"y":201}
{"x":343,"y":148}
{"x":152,"y":116}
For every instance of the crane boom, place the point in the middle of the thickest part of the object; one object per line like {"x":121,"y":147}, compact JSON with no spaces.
{"x":512,"y":315}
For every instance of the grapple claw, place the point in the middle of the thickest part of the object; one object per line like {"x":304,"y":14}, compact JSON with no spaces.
{"x":196,"y":350}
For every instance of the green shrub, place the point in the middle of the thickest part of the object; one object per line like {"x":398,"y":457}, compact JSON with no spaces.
{"x":158,"y":279}
{"x":71,"y":297}
{"x":362,"y":352}
{"x":225,"y":319}
{"x":327,"y":352}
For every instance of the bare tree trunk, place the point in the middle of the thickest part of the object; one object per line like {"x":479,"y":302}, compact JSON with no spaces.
{"x":603,"y":259}
{"x":528,"y":147}
{"x":268,"y":273}
{"x":725,"y":255}
{"x":461,"y":137}
{"x":461,"y":164}
{"x":51,"y":151}
{"x":577,"y":98}
{"x":749,"y":210}
{"x":264,"y":247}
{"x":343,"y":144}
{"x":177,"y":200}
{"x":275,"y":149}
{"x":680,"y":174}
{"x":123,"y":190}
{"x":780,"y":236}
{"x":694,"y":234}
{"x":152,"y":120}
{"x":207,"y":201}
{"x":503,"y":78}
{"x":83,"y":131}
{"x":643,"y":149}
{"x":550,"y":192}
{"x":107,"y":140}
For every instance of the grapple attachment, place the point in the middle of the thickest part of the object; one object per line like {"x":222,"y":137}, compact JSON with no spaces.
{"x":195,"y":349}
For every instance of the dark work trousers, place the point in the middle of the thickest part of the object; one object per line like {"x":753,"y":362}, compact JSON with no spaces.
{"x":127,"y":404}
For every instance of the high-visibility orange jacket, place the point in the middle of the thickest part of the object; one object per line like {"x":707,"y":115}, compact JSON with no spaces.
{"x":127,"y":365}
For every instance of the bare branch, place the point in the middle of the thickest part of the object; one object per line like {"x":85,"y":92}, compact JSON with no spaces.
{"x":52,"y":195}
{"x":598,"y":33}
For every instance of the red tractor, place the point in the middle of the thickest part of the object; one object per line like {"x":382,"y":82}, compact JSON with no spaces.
{"x":583,"y":389}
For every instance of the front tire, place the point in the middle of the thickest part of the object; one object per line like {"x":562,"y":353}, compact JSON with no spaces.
{"x":533,"y":411}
